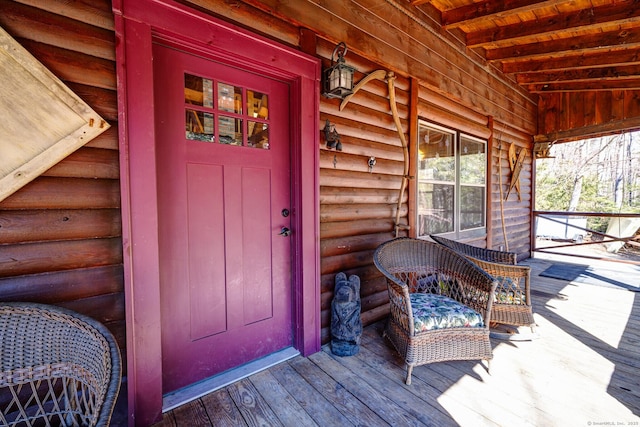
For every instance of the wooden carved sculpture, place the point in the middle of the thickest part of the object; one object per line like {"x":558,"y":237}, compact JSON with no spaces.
{"x":515,"y":164}
{"x":346,"y":324}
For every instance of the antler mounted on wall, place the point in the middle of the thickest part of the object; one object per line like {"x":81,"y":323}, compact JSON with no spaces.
{"x":390,"y":78}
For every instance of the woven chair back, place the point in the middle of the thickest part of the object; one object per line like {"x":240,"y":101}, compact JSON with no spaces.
{"x":57,"y":367}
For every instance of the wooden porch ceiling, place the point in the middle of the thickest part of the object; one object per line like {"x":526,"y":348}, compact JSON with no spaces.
{"x":548,"y":45}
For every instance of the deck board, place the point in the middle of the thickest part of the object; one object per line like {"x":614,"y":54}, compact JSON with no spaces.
{"x":285,"y":407}
{"x":354,"y":410}
{"x":194,"y":413}
{"x":584,"y":368}
{"x":221,"y":408}
{"x":252,"y":405}
{"x":316,"y":405}
{"x":394,"y":391}
{"x":355,"y":384}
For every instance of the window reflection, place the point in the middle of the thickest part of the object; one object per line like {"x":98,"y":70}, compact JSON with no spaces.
{"x":436,"y":152}
{"x":258,"y":135}
{"x":257,"y":105}
{"x":199,"y":126}
{"x":472,"y":162}
{"x":230,"y":130}
{"x":435,"y":208}
{"x":229,"y":98}
{"x":198,"y":91}
{"x":471,"y":207}
{"x":237,"y":116}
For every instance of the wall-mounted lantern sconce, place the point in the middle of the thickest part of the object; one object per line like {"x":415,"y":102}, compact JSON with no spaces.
{"x":331,"y":136}
{"x":338,"y":79}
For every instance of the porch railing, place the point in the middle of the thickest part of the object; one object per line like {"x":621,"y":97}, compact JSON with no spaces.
{"x":568,"y":229}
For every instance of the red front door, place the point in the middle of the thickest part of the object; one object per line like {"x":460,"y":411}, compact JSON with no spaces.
{"x":223,"y":156}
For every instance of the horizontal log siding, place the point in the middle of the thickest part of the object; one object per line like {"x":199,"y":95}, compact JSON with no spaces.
{"x":390,"y":37}
{"x":514,"y":213}
{"x":437,"y":109}
{"x":61,"y":235}
{"x":357,"y":208}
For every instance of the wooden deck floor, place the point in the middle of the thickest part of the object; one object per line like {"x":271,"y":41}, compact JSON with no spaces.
{"x":583,"y":370}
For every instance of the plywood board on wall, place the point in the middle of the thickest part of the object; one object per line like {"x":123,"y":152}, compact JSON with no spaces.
{"x":42,"y":121}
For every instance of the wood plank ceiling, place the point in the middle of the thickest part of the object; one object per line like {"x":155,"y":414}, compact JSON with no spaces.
{"x":550,"y":45}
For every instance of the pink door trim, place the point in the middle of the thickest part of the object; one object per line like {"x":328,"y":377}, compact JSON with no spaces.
{"x":138,"y":24}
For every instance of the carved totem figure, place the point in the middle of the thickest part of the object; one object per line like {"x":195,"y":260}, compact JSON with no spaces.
{"x":346,"y":325}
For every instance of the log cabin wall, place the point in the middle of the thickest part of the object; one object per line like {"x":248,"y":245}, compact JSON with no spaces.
{"x":358,"y":206}
{"x":513,"y":211}
{"x":436,"y":80}
{"x":60,"y":235}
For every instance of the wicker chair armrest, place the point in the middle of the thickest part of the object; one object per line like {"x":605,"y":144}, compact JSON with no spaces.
{"x":497,"y":269}
{"x":400,"y":304}
{"x":515,"y":277}
{"x":484,"y":254}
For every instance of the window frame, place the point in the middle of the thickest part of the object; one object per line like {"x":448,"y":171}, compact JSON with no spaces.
{"x":457,"y":138}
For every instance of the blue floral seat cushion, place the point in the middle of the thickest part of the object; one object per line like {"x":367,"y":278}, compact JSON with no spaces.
{"x":433,"y":311}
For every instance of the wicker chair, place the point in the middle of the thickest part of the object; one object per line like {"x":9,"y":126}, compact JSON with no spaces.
{"x":414,"y":267}
{"x":57,"y":368}
{"x":512,"y":305}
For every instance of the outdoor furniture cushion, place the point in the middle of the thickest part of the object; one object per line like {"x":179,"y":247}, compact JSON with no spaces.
{"x":433,"y":311}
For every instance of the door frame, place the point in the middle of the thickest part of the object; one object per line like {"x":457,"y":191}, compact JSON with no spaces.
{"x":138,"y":24}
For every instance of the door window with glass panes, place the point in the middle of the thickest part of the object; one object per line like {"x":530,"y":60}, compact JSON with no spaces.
{"x":451,"y":184}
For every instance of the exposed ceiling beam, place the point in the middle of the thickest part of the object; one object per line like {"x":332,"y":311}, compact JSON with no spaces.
{"x":622,"y":15}
{"x":551,"y":48}
{"x":594,"y":130}
{"x":577,"y":60}
{"x":599,"y":74}
{"x":584,"y":86}
{"x":630,"y":38}
{"x":491,"y":9}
